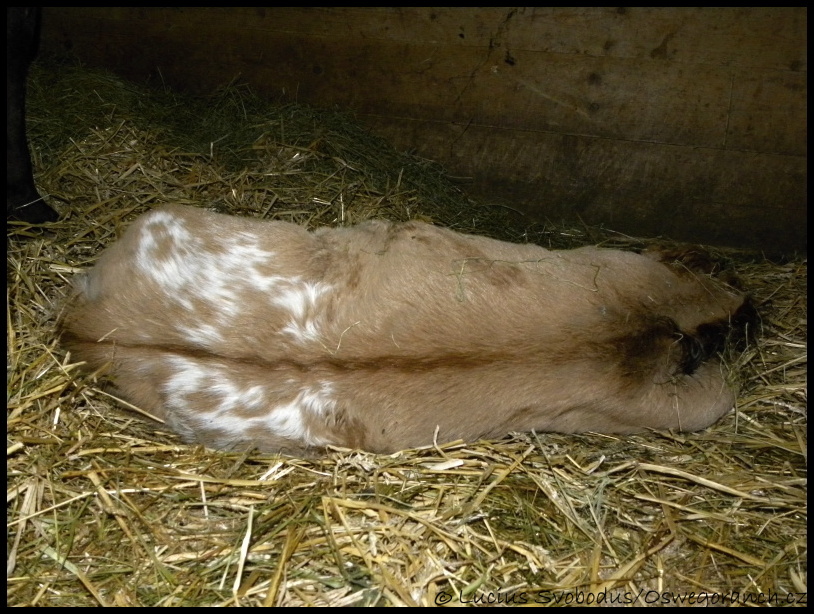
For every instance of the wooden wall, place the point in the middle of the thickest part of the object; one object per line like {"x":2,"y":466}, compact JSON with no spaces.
{"x":689,"y":122}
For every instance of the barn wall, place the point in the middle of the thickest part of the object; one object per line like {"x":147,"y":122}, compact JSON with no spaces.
{"x":689,"y":122}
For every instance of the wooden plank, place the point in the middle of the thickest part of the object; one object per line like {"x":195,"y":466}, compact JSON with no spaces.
{"x":769,"y":111}
{"x":693,"y":194}
{"x":769,"y":38}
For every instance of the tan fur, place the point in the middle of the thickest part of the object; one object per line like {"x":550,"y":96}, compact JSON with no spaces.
{"x":413,"y":330}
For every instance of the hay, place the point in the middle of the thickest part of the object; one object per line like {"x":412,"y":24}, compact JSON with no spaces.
{"x":104,"y":509}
